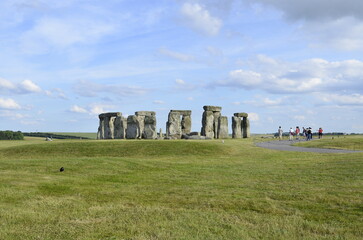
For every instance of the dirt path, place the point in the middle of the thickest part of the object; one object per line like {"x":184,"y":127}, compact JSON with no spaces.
{"x":285,"y":145}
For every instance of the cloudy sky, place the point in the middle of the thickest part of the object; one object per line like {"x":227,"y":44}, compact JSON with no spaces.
{"x":284,"y":62}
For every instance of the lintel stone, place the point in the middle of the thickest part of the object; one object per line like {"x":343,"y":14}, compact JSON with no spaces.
{"x":242,"y":114}
{"x":212,"y":108}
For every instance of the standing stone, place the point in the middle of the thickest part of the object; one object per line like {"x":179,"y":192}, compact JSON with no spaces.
{"x":174,"y":125}
{"x":186,"y":124}
{"x":132,"y":131}
{"x":246,"y":127}
{"x":106,"y":129}
{"x":216,"y":116}
{"x":150,"y":127}
{"x":236,"y":127}
{"x":223,"y":127}
{"x":120,"y":126}
{"x":208,"y":124}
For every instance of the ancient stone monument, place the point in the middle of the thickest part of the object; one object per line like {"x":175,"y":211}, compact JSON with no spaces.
{"x":179,"y":124}
{"x":115,"y":126}
{"x":112,"y":125}
{"x":214,"y":125}
{"x":240,"y":125}
{"x":141,"y":125}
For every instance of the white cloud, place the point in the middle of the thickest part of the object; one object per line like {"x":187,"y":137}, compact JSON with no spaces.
{"x":175,"y":55}
{"x":78,"y":109}
{"x":343,"y":99}
{"x":29,"y":86}
{"x":180,"y":81}
{"x":25,"y":87}
{"x":91,"y":89}
{"x":254,"y":117}
{"x":312,"y":75}
{"x":60,"y":33}
{"x":198,"y":18}
{"x":9,"y":103}
{"x":158,"y":102}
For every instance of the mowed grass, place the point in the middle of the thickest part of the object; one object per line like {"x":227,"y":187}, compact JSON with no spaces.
{"x":176,"y":190}
{"x":353,"y":142}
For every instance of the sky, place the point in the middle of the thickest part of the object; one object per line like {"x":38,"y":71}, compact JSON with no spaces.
{"x":286,"y":63}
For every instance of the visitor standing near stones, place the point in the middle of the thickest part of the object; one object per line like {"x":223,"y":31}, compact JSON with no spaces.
{"x":309,"y":134}
{"x":291,"y":134}
{"x":320,"y":133}
{"x":304,"y":132}
{"x":297,"y":131}
{"x":280,"y":131}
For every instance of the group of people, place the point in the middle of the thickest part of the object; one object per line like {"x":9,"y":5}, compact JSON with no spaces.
{"x":306,"y":132}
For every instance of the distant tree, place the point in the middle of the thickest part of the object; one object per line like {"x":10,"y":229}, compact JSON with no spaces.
{"x":10,"y":135}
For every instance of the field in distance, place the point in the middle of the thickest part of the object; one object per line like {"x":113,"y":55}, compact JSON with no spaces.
{"x":143,"y":189}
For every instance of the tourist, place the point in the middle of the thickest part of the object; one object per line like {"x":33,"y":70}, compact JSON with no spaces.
{"x":291,"y":134}
{"x":320,"y":133}
{"x":280,"y":131}
{"x":304,"y":132}
{"x":309,"y":134}
{"x":297,"y":131}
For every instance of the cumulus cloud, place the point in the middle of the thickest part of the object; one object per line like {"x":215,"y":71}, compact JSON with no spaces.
{"x":199,"y":19}
{"x":78,"y":109}
{"x":312,"y":75}
{"x":180,"y":84}
{"x":91,"y":89}
{"x":176,"y":55}
{"x":24,"y":87}
{"x":327,"y":23}
{"x":8,"y":103}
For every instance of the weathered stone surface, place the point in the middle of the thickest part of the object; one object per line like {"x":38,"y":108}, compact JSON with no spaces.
{"x":194,"y":134}
{"x":223,"y":127}
{"x":145,"y":113}
{"x":236,"y":127}
{"x":208,"y":124}
{"x":174,"y":125}
{"x":183,"y":112}
{"x":120,"y":126}
{"x":110,"y":114}
{"x":141,"y":125}
{"x":242,"y":114}
{"x":246,"y":127}
{"x":161,"y":133}
{"x":216,"y":116}
{"x":150,"y":127}
{"x":186,"y":124}
{"x":212,"y":108}
{"x":111,"y":126}
{"x":132,"y":131}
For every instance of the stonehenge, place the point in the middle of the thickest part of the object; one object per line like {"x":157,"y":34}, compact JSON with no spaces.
{"x":142,"y":125}
{"x":138,"y":126}
{"x":179,"y":124}
{"x":240,"y":125}
{"x":214,"y":125}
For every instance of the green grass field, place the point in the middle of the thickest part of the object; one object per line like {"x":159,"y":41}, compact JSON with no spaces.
{"x":146,"y":189}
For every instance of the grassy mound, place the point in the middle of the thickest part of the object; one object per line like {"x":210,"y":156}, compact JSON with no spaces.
{"x":118,"y":149}
{"x":348,"y":143}
{"x":176,"y":190}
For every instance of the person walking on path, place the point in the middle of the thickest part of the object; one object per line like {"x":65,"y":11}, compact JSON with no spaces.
{"x":297,"y":131}
{"x":291,"y":134}
{"x":320,"y":133}
{"x":280,"y":131}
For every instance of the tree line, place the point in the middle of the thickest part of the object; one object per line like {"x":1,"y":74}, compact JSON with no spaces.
{"x":10,"y":135}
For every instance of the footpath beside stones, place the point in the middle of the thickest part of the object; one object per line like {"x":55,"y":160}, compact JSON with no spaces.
{"x":286,"y":145}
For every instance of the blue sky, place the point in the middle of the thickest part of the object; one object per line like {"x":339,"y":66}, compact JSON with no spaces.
{"x":288,"y":63}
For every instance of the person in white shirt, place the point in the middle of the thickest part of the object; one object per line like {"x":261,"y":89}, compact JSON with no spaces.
{"x":291,"y":135}
{"x":280,"y":131}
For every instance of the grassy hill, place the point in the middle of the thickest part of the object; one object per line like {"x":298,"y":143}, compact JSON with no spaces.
{"x":142,"y":189}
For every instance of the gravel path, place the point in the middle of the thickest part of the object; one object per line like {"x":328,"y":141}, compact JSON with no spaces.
{"x":285,"y":145}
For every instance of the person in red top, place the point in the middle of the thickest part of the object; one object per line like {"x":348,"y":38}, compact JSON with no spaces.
{"x":320,"y":131}
{"x":297,"y":131}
